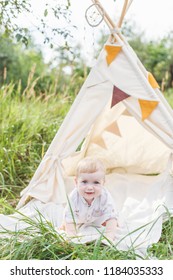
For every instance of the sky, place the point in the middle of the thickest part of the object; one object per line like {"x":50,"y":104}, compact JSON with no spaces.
{"x":153,"y":17}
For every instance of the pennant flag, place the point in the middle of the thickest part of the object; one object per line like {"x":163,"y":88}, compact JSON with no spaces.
{"x":147,"y":107}
{"x":99,"y":141}
{"x":152,"y":81}
{"x":113,"y":128}
{"x":112,"y":52}
{"x":117,"y":96}
{"x":126,"y":113}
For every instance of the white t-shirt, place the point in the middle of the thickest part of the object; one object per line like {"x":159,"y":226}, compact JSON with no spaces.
{"x":79,"y":211}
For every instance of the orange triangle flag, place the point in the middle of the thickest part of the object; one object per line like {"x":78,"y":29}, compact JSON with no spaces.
{"x":147,"y":107}
{"x":112,"y":52}
{"x":113,"y":128}
{"x":99,"y":141}
{"x":152,"y":81}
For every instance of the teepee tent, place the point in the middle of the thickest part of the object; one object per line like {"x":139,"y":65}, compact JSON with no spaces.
{"x":121,"y":117}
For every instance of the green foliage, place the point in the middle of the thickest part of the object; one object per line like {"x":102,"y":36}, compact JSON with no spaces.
{"x":169,"y":96}
{"x":164,"y":249}
{"x":155,"y":55}
{"x":17,"y":62}
{"x":9,"y":10}
{"x":11,"y":13}
{"x":29,"y":125}
{"x":20,"y":65}
{"x":29,"y":122}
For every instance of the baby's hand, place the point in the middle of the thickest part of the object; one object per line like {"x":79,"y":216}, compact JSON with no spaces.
{"x":62,"y":227}
{"x":110,"y":236}
{"x":111,"y":226}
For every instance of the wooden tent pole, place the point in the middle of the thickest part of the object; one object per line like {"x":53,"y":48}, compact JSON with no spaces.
{"x":130,"y":2}
{"x":107,"y":18}
{"x":123,"y":13}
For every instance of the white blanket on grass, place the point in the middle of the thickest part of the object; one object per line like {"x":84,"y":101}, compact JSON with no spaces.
{"x":142,"y":203}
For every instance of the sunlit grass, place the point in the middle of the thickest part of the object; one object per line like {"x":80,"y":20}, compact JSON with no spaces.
{"x":41,"y":241}
{"x":169,"y":96}
{"x":28,"y":127}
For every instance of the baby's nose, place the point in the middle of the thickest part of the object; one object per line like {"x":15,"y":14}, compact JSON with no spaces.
{"x":90,"y":187}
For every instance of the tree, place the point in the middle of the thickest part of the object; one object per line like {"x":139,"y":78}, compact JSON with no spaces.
{"x":12,"y":10}
{"x":16,"y":62}
{"x":156,"y":55}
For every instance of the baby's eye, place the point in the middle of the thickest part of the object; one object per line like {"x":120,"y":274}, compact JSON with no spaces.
{"x":84,"y":181}
{"x":96,"y":182}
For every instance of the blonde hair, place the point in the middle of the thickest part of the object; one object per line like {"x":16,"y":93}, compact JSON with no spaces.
{"x":89,"y":165}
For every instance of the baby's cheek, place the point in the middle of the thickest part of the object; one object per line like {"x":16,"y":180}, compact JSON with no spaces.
{"x":98,"y":190}
{"x":81,"y":191}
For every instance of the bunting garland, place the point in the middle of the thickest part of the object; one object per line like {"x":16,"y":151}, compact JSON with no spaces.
{"x":152,"y":81}
{"x":147,"y":107}
{"x":99,"y":141}
{"x":114,"y":128}
{"x":117,"y":96}
{"x":112,"y":52}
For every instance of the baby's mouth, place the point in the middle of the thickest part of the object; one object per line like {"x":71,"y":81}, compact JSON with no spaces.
{"x":89,"y":192}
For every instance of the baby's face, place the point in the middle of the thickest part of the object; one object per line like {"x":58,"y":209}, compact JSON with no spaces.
{"x":90,"y":185}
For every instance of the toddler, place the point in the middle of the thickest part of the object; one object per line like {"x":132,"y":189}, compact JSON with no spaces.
{"x":90,"y":203}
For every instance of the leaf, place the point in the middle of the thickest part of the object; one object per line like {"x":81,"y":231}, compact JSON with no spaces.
{"x":45,"y":12}
{"x":25,"y":40}
{"x":19,"y":37}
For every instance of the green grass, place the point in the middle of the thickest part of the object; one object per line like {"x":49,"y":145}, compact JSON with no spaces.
{"x":169,"y":96}
{"x":41,"y":241}
{"x":29,"y":123}
{"x":163,"y":250}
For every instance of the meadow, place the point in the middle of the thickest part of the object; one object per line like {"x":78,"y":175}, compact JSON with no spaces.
{"x":28,"y":124}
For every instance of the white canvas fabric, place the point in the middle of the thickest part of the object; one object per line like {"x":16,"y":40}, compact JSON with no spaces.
{"x":133,"y":150}
{"x":89,"y":104}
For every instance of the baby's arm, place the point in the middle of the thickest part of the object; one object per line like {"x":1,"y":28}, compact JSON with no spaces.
{"x":111,"y":226}
{"x":70,"y":229}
